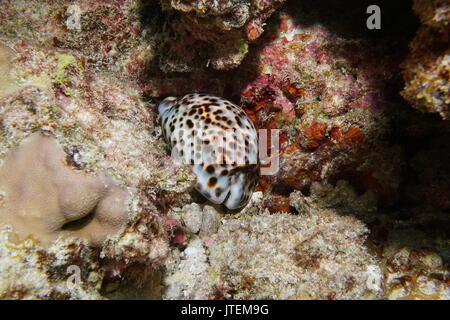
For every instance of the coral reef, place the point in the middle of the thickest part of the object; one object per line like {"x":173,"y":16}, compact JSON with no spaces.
{"x":104,"y":33}
{"x":412,"y":246}
{"x":6,"y":82}
{"x":331,"y":95}
{"x":427,"y":68}
{"x":416,"y":275}
{"x":55,"y":199}
{"x":327,"y":94}
{"x":281,"y":256}
{"x":223,"y":28}
{"x":104,"y":131}
{"x":358,"y":209}
{"x":316,"y":255}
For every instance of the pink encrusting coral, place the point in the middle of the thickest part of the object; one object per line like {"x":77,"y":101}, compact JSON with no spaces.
{"x":320,"y":66}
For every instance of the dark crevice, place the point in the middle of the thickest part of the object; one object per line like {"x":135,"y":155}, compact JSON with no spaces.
{"x":80,"y":223}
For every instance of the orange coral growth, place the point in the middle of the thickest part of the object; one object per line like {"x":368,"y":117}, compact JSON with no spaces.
{"x":301,"y":36}
{"x":278,"y":203}
{"x":291,"y":149}
{"x":252,"y":115}
{"x":293,"y":91}
{"x":263,"y":185}
{"x":314,"y":134}
{"x":260,"y":105}
{"x":350,"y":137}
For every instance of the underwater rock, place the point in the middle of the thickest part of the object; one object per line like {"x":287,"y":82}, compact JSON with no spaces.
{"x":210,"y":221}
{"x":414,"y":253}
{"x":192,"y":219}
{"x":7,"y":84}
{"x":318,"y":256}
{"x":427,"y":67}
{"x":105,"y":131}
{"x":68,"y":269}
{"x":226,"y":27}
{"x":416,"y":274}
{"x":105,"y":33}
{"x":56,"y":200}
{"x":435,"y":13}
{"x":184,"y":269}
{"x":341,"y":197}
{"x":326,"y":94}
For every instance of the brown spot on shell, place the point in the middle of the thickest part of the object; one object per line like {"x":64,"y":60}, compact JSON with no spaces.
{"x":212,"y":182}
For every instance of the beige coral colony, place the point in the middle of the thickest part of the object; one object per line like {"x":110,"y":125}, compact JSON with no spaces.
{"x":224,"y":150}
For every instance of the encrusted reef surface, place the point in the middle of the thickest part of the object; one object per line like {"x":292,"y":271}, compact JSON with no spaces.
{"x":223,"y":29}
{"x":93,"y":207}
{"x":427,"y":68}
{"x":81,"y":147}
{"x":279,"y":256}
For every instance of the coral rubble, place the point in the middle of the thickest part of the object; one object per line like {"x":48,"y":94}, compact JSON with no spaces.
{"x":314,"y":256}
{"x":28,"y":272}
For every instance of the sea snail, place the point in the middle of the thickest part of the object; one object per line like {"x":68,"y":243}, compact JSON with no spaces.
{"x":219,"y":140}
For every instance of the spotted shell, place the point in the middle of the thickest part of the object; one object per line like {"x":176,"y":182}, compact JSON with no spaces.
{"x":218,"y":139}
